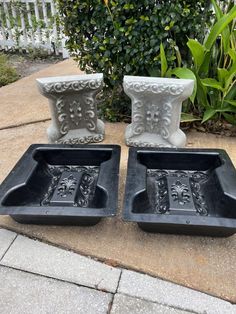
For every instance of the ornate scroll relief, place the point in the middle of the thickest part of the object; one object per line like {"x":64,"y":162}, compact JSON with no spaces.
{"x":138,"y":123}
{"x":156,"y":88}
{"x":67,"y":186}
{"x":62,"y":116}
{"x":156,"y":109}
{"x":61,"y":87}
{"x":179,"y":191}
{"x":74,"y":108}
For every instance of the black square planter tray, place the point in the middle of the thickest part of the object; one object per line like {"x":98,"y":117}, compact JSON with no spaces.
{"x":183,"y":191}
{"x":62,"y":184}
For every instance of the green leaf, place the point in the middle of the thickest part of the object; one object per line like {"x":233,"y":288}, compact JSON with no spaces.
{"x":231,"y":102}
{"x":226,"y":31}
{"x":201,"y":92}
{"x":187,"y":117}
{"x":204,"y":68}
{"x":164,"y":65}
{"x":229,"y":118}
{"x":231,"y":95}
{"x":232,"y":54}
{"x":232,"y":74}
{"x":212,"y":83}
{"x":197,"y":51}
{"x":218,"y":27}
{"x":223,"y":74}
{"x":185,"y":73}
{"x":208,"y":114}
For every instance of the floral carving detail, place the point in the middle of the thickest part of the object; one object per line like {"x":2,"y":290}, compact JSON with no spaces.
{"x":67,"y":186}
{"x":153,"y":116}
{"x":158,"y":118}
{"x":140,"y":87}
{"x":56,"y":171}
{"x":76,"y":113}
{"x":62,"y":87}
{"x":180,"y":192}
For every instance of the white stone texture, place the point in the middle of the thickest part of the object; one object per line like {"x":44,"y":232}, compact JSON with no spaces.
{"x":24,"y":293}
{"x":73,"y":108}
{"x":156,"y":110}
{"x":40,"y":258}
{"x":166,"y":293}
{"x":6,"y":239}
{"x":125,"y":305}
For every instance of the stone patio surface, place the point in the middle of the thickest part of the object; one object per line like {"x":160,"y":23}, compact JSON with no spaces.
{"x":202,"y":263}
{"x":41,"y":278}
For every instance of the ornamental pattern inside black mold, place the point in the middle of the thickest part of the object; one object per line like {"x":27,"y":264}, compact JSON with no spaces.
{"x":86,"y":186}
{"x":179,"y":191}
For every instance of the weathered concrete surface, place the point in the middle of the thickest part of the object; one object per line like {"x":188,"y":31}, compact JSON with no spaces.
{"x":123,"y":304}
{"x":163,"y":292}
{"x":202,"y":263}
{"x":22,"y":103}
{"x":41,"y":258}
{"x":30,"y":294}
{"x":6,"y":239}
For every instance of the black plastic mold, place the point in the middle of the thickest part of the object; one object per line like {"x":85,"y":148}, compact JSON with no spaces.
{"x":182,"y":191}
{"x":61,"y":184}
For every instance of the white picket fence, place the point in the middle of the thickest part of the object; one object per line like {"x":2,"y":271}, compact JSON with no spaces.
{"x":26,"y":24}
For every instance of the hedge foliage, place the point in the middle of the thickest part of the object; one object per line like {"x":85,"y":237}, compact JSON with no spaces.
{"x":122,"y":37}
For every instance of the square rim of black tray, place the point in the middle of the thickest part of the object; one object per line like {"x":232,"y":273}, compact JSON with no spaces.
{"x":228,"y":183}
{"x":27,"y":158}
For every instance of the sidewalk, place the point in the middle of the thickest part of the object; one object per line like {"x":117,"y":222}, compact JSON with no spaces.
{"x":202,"y":263}
{"x":39,"y":278}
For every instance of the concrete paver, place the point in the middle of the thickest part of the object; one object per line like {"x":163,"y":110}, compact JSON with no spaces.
{"x":31,"y":294}
{"x":163,"y":292}
{"x":6,"y":238}
{"x":126,"y":305}
{"x":40,"y":258}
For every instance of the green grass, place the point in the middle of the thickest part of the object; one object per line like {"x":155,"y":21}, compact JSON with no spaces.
{"x":7,"y":73}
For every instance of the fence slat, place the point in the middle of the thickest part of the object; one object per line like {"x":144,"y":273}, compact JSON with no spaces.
{"x":36,"y":10}
{"x":18,"y":29}
{"x":5,"y":10}
{"x":23,"y":28}
{"x":3,"y":35}
{"x":29,"y":17}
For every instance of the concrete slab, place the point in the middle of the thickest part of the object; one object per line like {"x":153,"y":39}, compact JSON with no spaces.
{"x":202,"y":263}
{"x":31,"y":294}
{"x":163,"y":292}
{"x":21,"y":102}
{"x":123,"y":304}
{"x":40,"y":258}
{"x":6,"y":239}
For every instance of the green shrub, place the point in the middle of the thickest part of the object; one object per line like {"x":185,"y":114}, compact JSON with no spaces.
{"x":7,"y":73}
{"x":122,"y":37}
{"x":213,"y":69}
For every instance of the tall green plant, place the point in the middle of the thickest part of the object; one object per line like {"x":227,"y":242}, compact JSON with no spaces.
{"x":214,"y":68}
